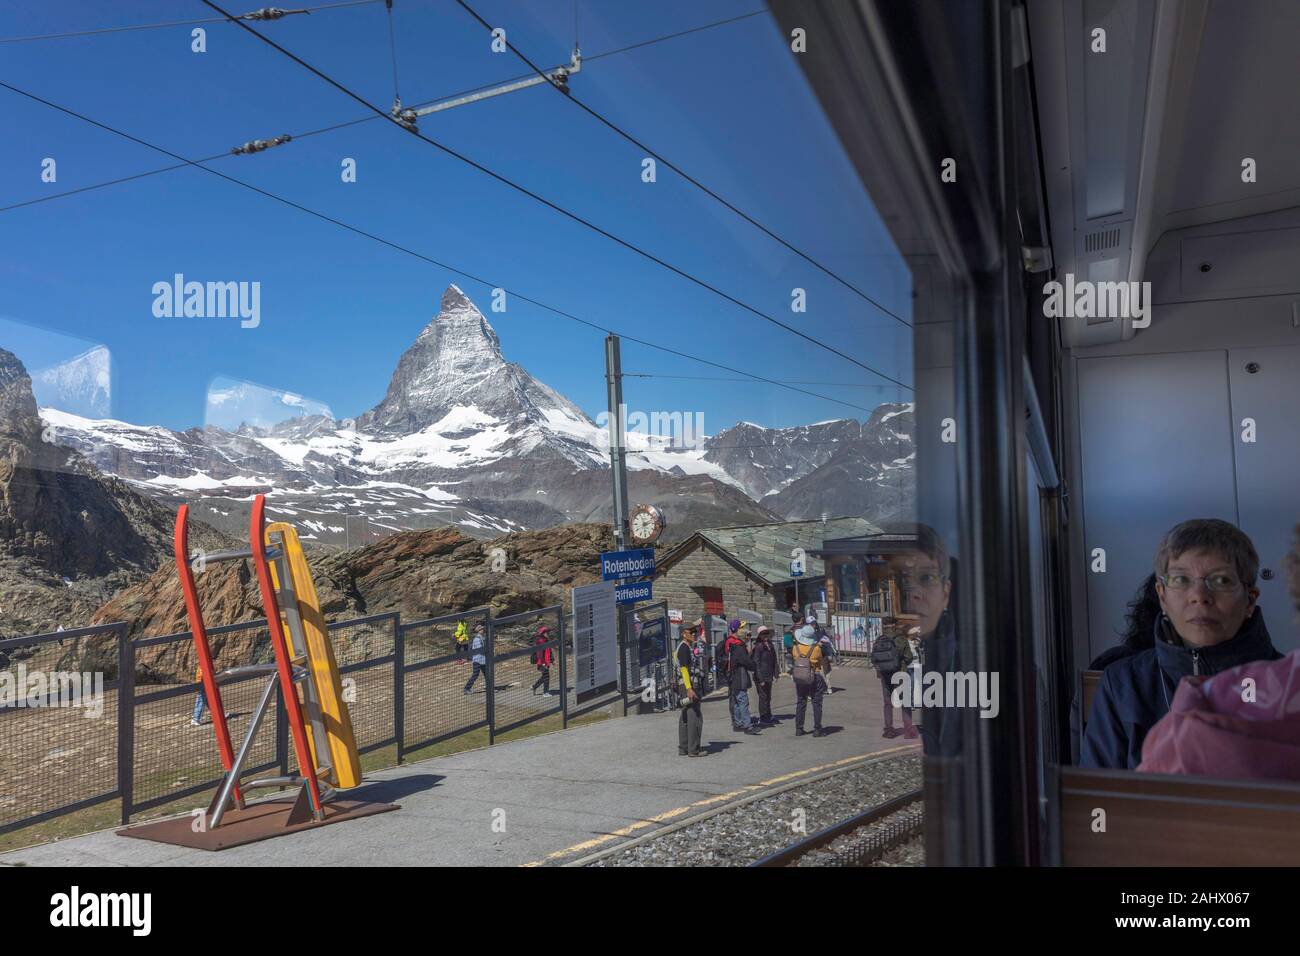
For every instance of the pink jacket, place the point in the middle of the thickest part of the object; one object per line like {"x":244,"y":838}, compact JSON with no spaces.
{"x":1223,"y":726}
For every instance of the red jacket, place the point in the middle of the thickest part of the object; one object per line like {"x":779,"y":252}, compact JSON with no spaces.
{"x":542,"y":656}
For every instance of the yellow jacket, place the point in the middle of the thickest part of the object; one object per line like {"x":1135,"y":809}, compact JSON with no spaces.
{"x":814,"y":654}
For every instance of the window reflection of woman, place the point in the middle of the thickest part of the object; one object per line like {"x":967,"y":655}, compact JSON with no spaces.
{"x":925,"y":578}
{"x":1209,"y":621}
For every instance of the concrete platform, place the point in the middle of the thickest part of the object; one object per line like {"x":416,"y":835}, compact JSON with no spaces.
{"x":543,"y":800}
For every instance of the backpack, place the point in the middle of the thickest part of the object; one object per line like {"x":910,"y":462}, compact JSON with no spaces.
{"x":884,"y":654}
{"x":801,"y":670}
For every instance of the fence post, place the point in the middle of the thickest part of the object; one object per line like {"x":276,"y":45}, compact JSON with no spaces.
{"x":564,"y":670}
{"x":125,"y":719}
{"x":399,"y":685}
{"x":491,"y":679}
{"x":621,"y":618}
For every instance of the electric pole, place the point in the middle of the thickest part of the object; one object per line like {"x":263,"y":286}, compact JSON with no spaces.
{"x":617,"y":437}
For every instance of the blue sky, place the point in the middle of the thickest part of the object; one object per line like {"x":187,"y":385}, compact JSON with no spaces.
{"x":729,"y":105}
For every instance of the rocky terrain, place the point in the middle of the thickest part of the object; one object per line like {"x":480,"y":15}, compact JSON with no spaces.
{"x":419,"y":574}
{"x":70,"y":537}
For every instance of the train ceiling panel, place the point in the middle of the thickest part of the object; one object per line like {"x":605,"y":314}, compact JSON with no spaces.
{"x":1152,"y":135}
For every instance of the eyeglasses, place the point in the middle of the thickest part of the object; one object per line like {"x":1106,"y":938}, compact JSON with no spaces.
{"x":926,"y":579}
{"x":1218,"y":583}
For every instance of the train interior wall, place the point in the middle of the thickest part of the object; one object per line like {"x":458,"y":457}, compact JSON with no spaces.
{"x":1196,"y":416}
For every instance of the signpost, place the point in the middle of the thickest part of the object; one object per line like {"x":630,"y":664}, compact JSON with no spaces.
{"x":620,"y":565}
{"x":595,"y":639}
{"x":631,"y":593}
{"x":796,"y":572}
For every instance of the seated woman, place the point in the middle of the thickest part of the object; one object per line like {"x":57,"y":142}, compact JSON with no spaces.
{"x":1241,"y":723}
{"x":1209,"y":621}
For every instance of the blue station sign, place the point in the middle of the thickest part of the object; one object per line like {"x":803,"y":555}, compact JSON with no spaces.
{"x":619,"y":565}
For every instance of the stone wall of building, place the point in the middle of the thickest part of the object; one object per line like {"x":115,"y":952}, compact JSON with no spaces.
{"x":682,"y":586}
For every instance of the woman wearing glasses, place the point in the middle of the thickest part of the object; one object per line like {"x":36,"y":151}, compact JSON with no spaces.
{"x":1209,"y":621}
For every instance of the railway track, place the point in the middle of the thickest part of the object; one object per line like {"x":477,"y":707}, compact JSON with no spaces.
{"x":858,"y":840}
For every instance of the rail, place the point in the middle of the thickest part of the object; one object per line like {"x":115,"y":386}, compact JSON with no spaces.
{"x":860,"y":852}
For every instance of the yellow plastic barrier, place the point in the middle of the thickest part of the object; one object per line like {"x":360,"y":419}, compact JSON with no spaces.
{"x":320,"y":652}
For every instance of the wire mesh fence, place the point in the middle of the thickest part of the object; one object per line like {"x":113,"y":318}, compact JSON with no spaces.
{"x":92,"y":716}
{"x":60,"y":718}
{"x":444,"y":677}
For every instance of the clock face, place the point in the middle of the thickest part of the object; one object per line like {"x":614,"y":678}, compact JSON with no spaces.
{"x":646,"y":523}
{"x":643,"y":526}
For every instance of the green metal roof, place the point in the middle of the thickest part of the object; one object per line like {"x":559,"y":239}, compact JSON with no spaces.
{"x":766,"y":548}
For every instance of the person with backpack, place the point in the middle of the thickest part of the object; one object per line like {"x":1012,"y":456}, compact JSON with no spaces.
{"x":764,"y":674}
{"x":542,"y":658}
{"x":890,"y":655}
{"x":808,"y":682}
{"x":690,"y":726}
{"x":461,"y":639}
{"x":478,"y":655}
{"x":829,"y":656}
{"x":737,"y":665}
{"x":787,"y":642}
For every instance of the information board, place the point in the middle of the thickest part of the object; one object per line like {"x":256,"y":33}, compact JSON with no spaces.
{"x":595,"y":639}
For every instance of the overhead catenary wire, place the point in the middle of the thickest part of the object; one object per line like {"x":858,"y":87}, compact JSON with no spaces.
{"x":659,"y":158}
{"x":418,"y":255}
{"x":179,"y":23}
{"x":369,"y":118}
{"x":713,"y":378}
{"x":537,"y":197}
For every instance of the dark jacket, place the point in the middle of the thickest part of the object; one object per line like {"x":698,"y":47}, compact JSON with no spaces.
{"x":940,"y":726}
{"x":764,"y":661}
{"x":1135,"y":691}
{"x":739,"y":665}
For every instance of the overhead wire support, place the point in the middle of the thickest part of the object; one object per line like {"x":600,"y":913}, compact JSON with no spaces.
{"x":357,"y":230}
{"x":362,"y":119}
{"x":258,"y":145}
{"x":560,"y":209}
{"x":557,"y":77}
{"x":659,"y":158}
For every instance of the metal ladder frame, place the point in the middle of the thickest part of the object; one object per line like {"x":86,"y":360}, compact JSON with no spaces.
{"x":288,"y":672}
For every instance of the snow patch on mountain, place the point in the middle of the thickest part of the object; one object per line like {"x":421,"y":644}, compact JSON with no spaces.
{"x":83,"y":384}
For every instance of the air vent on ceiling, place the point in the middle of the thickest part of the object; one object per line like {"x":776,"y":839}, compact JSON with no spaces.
{"x":1101,"y":240}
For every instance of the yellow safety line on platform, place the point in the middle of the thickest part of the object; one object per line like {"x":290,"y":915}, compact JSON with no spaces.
{"x":671,"y":814}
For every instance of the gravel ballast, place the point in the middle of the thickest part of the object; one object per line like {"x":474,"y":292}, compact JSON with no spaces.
{"x":750,"y":832}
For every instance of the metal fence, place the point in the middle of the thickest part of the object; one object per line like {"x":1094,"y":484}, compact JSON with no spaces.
{"x":91,"y":716}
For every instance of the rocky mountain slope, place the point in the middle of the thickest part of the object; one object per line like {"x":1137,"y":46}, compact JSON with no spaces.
{"x":419,"y":574}
{"x":466,"y":439}
{"x":69,"y":536}
{"x":871,"y":474}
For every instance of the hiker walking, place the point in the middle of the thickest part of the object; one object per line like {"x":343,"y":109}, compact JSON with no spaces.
{"x":889,"y":655}
{"x":808,"y":681}
{"x":691,"y":724}
{"x":478,"y":656}
{"x":542,"y":658}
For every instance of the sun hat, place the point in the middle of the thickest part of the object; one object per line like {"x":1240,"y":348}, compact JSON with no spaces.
{"x":806,"y":635}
